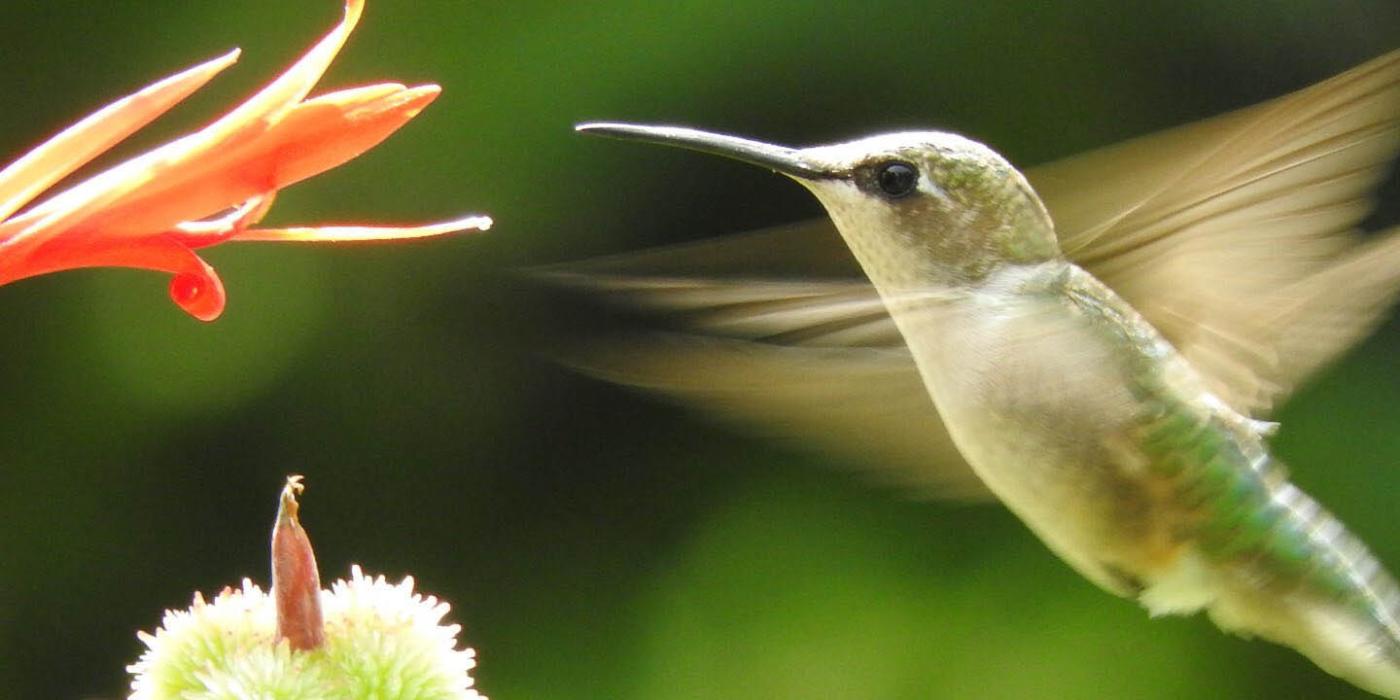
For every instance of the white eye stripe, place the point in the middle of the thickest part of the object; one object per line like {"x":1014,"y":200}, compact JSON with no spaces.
{"x":929,"y":187}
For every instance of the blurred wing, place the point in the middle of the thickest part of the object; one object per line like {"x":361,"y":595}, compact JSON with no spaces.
{"x":793,"y":284}
{"x":782,"y":332}
{"x":863,"y":404}
{"x":1236,"y":236}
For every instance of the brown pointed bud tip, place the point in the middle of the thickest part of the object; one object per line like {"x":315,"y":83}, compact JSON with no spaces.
{"x":296,"y":585}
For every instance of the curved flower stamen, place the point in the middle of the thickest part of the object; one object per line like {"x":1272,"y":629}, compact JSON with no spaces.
{"x":207,"y":232}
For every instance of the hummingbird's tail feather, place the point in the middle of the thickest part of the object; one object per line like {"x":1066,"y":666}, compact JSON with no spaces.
{"x":1344,"y":614}
{"x":1336,"y":640}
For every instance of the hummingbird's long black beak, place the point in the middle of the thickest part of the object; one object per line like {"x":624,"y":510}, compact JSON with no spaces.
{"x":788,"y":161}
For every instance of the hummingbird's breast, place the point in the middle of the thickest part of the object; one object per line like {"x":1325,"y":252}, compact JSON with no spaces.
{"x":1034,"y":394}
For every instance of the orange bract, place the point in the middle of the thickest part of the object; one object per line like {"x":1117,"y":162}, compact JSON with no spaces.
{"x":154,"y":210}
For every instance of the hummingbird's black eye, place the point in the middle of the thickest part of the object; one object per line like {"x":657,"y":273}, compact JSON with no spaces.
{"x":897,"y":179}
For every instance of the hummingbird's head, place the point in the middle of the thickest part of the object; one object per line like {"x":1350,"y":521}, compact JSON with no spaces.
{"x":914,"y":207}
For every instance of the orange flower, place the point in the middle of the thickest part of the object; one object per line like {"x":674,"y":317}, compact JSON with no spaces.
{"x":211,"y":186}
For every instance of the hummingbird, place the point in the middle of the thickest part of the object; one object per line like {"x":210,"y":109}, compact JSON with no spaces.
{"x":1096,"y":343}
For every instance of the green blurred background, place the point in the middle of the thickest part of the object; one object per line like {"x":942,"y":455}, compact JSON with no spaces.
{"x":596,"y":543}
